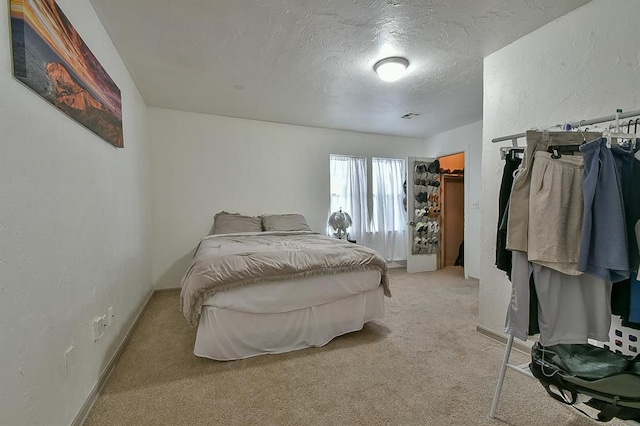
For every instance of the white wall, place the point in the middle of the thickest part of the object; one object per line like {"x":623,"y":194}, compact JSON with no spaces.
{"x":583,"y":65}
{"x":467,"y":139}
{"x":74,"y":237}
{"x":203,"y":164}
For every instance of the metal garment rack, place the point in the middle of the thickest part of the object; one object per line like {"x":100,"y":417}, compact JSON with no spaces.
{"x":573,"y":124}
{"x":524,"y":368}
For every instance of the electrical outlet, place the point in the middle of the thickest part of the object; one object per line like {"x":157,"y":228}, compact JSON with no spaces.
{"x":69,"y":361}
{"x":475,"y":204}
{"x":110,"y":316}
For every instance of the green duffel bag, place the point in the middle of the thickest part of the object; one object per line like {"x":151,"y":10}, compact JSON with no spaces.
{"x":611,"y":380}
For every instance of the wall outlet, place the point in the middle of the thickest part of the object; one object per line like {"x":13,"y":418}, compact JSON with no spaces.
{"x":110,"y":316}
{"x":98,"y":328}
{"x":475,"y":204}
{"x":69,"y":361}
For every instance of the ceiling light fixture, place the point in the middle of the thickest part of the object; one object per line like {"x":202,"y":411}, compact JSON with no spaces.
{"x":391,"y":69}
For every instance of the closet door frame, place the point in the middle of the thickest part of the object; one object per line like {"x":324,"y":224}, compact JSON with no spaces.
{"x":467,"y":203}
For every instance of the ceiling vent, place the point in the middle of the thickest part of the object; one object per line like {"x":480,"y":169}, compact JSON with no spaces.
{"x":409,"y":115}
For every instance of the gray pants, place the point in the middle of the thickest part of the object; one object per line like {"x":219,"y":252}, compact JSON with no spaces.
{"x":571,"y":309}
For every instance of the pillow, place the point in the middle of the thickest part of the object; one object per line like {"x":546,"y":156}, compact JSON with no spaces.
{"x":285,"y":222}
{"x":231,"y":223}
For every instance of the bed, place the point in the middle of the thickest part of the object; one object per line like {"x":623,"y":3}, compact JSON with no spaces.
{"x":259,"y":292}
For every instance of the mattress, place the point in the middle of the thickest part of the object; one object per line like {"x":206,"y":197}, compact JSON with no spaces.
{"x":291,"y":295}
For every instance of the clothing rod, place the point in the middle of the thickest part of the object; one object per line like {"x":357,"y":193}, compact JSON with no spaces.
{"x":621,"y":116}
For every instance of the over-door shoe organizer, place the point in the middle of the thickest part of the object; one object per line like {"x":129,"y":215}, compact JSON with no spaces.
{"x":426,"y":212}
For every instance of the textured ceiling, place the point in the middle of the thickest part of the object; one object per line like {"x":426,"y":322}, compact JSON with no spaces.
{"x":310,"y":62}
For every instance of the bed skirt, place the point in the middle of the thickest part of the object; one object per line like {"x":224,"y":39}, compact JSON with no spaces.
{"x":225,"y":334}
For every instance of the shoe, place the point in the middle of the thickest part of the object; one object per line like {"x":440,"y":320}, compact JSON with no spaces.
{"x":434,"y":167}
{"x":416,"y":246}
{"x":431,"y":228}
{"x":430,"y":245}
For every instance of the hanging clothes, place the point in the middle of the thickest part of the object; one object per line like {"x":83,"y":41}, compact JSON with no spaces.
{"x":629,"y":170}
{"x":637,"y":227}
{"x":634,"y":305}
{"x":517,"y":321}
{"x":522,"y":313}
{"x":625,"y":302}
{"x":518,"y":223}
{"x":544,"y":224}
{"x":572,"y":224}
{"x":571,"y":309}
{"x":604,"y":248}
{"x":503,"y":256}
{"x":555,"y":212}
{"x":625,"y":298}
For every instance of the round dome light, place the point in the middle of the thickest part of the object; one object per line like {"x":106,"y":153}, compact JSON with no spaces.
{"x":391,"y":69}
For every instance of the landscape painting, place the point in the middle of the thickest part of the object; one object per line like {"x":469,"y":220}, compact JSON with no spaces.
{"x":50,"y":57}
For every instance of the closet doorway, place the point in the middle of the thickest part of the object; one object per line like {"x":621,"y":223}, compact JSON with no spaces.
{"x":452,"y":210}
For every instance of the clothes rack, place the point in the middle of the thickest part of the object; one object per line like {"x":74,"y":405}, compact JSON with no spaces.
{"x":573,"y":124}
{"x":524,"y":368}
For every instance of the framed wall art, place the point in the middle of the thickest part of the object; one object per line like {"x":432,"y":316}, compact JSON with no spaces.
{"x":50,"y":57}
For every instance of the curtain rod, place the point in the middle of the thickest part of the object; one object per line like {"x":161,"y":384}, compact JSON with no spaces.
{"x":621,"y":116}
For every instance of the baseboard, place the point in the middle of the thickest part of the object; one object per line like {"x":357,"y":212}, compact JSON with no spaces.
{"x":397,"y":264}
{"x":499,"y":337}
{"x":104,"y":376}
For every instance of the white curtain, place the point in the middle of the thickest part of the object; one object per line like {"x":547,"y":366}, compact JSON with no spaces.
{"x":389,"y":219}
{"x":349,"y":191}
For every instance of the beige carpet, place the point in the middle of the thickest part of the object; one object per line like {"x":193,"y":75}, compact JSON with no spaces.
{"x":424,"y":364}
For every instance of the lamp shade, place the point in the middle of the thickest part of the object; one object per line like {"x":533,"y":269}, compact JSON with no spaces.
{"x":391,"y":69}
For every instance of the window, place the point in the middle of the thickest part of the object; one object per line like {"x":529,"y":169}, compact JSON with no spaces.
{"x":388,"y":219}
{"x":379,"y":221}
{"x":348,"y":180}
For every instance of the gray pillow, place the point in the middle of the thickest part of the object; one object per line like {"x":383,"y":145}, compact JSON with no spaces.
{"x":285,"y":222}
{"x":231,"y":223}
